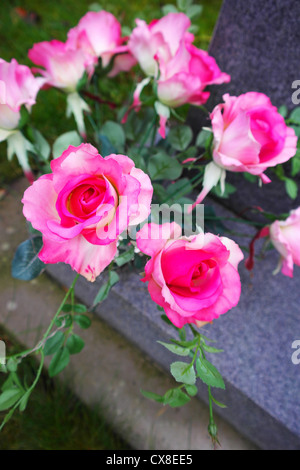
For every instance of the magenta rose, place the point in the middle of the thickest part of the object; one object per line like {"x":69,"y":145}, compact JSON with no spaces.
{"x":194,"y":279}
{"x":83,"y":206}
{"x":285,"y":236}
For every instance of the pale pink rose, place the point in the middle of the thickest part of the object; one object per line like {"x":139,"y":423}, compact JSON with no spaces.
{"x":160,"y":36}
{"x":83,"y":206}
{"x":285,"y":236}
{"x":99,"y":34}
{"x":18,"y":87}
{"x":164,"y":50}
{"x":194,"y":279}
{"x":250,"y":135}
{"x":63,"y":68}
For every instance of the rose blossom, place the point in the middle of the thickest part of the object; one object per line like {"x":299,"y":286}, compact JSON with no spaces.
{"x":99,"y":34}
{"x":195,"y":279}
{"x":18,"y":87}
{"x":164,"y":50}
{"x":285,"y":236}
{"x":249,"y":136}
{"x":83,"y":206}
{"x":63,"y":67}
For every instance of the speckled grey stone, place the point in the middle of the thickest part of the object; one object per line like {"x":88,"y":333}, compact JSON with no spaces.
{"x":257,"y":43}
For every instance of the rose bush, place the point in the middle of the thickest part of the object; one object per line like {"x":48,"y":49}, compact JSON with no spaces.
{"x":194,"y":279}
{"x":95,"y":193}
{"x":84,"y":205}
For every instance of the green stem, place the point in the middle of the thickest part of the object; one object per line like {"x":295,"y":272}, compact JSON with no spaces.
{"x":146,"y":135}
{"x":45,"y":336}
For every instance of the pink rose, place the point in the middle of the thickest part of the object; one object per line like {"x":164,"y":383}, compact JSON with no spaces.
{"x":63,"y":67}
{"x":99,"y":34}
{"x":83,"y":206}
{"x":184,"y":78}
{"x":285,"y":236}
{"x":250,"y":135}
{"x":163,"y":35}
{"x":17,"y":87}
{"x":195,"y":279}
{"x":164,"y":49}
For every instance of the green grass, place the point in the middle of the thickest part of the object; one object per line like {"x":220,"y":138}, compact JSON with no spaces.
{"x":55,"y":419}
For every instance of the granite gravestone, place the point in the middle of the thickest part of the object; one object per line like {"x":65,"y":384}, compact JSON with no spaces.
{"x":257,"y":43}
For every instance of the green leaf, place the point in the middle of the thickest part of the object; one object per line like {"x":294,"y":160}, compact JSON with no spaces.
{"x":41,"y":145}
{"x":175,"y":398}
{"x":183,"y":372}
{"x":192,"y":390}
{"x":103,"y":292}
{"x":59,"y":361}
{"x":95,"y":7}
{"x":83,"y":321}
{"x":162,"y":167}
{"x":250,"y":178}
{"x":24,"y":117}
{"x":63,"y":141}
{"x":114,"y":133}
{"x":24,"y":400}
{"x":291,"y":188}
{"x":9,"y":397}
{"x":193,"y":11}
{"x":186,"y":344}
{"x":208,"y":373}
{"x":295,"y":115}
{"x":169,"y":9}
{"x":106,"y":147}
{"x":180,"y":187}
{"x":12,"y":365}
{"x":153,"y":396}
{"x":54,"y":343}
{"x":295,"y":164}
{"x":203,"y":137}
{"x":218,"y":403}
{"x":180,"y":137}
{"x":75,"y":344}
{"x":26,"y":265}
{"x":125,"y":257}
{"x":229,"y":189}
{"x":175,"y":349}
{"x":283,"y":110}
{"x":79,"y":308}
{"x":210,"y":349}
{"x":184,"y":4}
